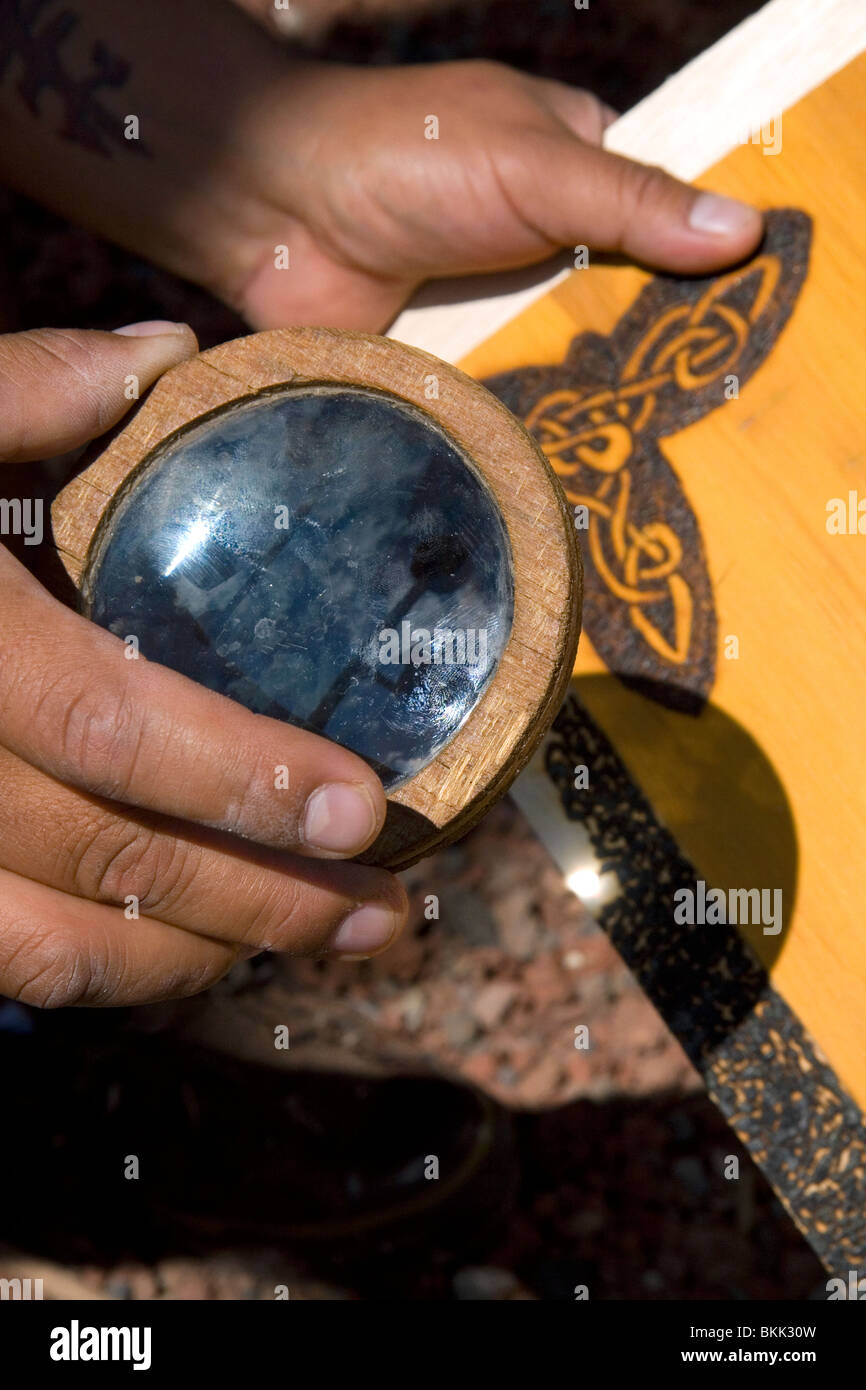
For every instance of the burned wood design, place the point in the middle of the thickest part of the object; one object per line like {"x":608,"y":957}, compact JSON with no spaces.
{"x":681,"y":350}
{"x":761,"y":1066}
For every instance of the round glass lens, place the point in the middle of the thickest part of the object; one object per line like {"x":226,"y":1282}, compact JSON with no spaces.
{"x":324,"y":555}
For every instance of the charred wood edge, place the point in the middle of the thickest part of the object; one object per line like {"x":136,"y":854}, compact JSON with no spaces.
{"x":761,"y":1068}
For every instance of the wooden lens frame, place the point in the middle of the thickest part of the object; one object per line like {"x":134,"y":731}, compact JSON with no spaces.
{"x":447,"y":796}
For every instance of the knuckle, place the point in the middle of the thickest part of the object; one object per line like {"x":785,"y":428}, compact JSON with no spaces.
{"x":48,"y":971}
{"x":242,"y":789}
{"x":58,"y":967}
{"x":246,"y":797}
{"x":69,"y":361}
{"x":643,"y":187}
{"x":99,"y":731}
{"x":78,"y":358}
{"x":281,"y":923}
{"x":122,"y":859}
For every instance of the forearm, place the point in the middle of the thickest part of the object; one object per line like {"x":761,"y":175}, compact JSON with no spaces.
{"x":129,"y":118}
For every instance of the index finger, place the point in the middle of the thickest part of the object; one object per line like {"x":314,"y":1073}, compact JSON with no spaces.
{"x":134,"y":731}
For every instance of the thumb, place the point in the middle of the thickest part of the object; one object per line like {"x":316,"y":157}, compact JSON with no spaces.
{"x":605,"y":201}
{"x":61,"y":387}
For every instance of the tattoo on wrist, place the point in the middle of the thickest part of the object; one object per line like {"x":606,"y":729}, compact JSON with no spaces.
{"x":32,"y":34}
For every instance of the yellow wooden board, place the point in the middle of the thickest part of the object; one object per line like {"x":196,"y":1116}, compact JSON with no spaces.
{"x":765,"y":788}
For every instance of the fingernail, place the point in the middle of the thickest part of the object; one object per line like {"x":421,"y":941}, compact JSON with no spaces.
{"x":151,"y":328}
{"x":364,"y":932}
{"x":339,"y":816}
{"x":721,"y":216}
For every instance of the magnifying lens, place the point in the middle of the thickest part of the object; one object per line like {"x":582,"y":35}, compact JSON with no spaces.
{"x":345,"y":533}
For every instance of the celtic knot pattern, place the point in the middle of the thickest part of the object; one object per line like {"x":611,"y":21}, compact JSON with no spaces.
{"x":673,"y":356}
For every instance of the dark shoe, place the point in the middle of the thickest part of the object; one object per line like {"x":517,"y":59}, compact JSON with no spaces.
{"x":231,"y":1153}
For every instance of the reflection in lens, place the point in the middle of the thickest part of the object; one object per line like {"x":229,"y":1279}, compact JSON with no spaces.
{"x":326,"y":556}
